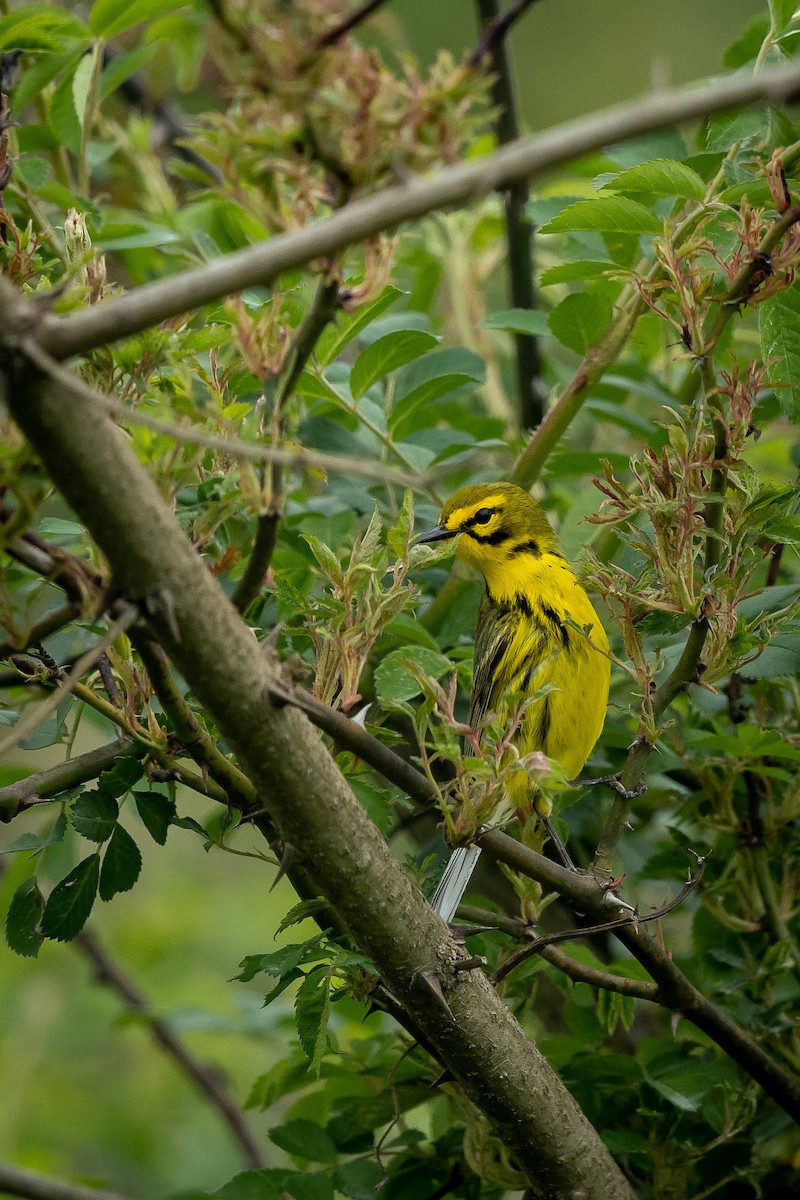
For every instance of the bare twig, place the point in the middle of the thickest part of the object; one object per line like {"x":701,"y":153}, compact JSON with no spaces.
{"x":48,"y":625}
{"x":31,"y":720}
{"x":16,"y":1182}
{"x":208,"y":1081}
{"x":519,"y":231}
{"x":495,"y":30}
{"x":356,"y":18}
{"x":570,"y":935}
{"x":258,"y":265}
{"x":301,"y":459}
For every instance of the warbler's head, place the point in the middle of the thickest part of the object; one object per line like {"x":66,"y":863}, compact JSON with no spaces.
{"x":494,"y":523}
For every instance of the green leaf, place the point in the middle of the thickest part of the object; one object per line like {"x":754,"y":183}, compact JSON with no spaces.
{"x":572,"y":271}
{"x":417,"y":408}
{"x":394,"y":681}
{"x":127,"y":771}
{"x":518,"y":320}
{"x":333,"y":341}
{"x":111,"y":17}
{"x":305,"y":1139}
{"x":122,"y":67}
{"x":81,"y":83}
{"x":268,"y":1184}
{"x":311,"y":1185}
{"x":607,"y":214}
{"x":726,"y":129}
{"x":63,"y":116}
{"x":781,"y":13}
{"x":301,"y":912}
{"x":94,"y":815}
{"x":311,"y":1009}
{"x":157,"y":813}
{"x":359,"y":1178}
{"x":661,"y":177}
{"x":122,"y":864}
{"x":70,"y":902}
{"x":33,"y":843}
{"x":22,"y":919}
{"x":779,"y":326}
{"x":386,"y":355}
{"x":580,"y":320}
{"x":280,"y":962}
{"x":748,"y":44}
{"x":40,"y":27}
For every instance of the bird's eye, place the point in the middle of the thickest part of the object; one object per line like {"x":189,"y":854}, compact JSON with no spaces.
{"x":482,"y":516}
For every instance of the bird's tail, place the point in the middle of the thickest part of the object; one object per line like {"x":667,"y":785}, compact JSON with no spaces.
{"x":453,"y":884}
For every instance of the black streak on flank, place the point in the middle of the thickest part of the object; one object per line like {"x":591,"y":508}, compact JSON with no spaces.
{"x":544,"y":723}
{"x":529,"y":547}
{"x":552,"y":616}
{"x":522,"y":603}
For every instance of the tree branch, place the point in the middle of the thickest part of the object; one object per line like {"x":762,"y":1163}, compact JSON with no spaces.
{"x":258,"y":265}
{"x":519,"y":231}
{"x":74,"y":771}
{"x":16,"y":1182}
{"x":496,"y":26}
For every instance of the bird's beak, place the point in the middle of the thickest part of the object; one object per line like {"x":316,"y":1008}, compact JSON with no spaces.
{"x":438,"y":534}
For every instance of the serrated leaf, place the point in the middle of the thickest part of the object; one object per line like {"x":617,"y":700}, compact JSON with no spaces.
{"x":779,"y":326}
{"x":324,"y":556}
{"x":518,"y":320}
{"x":280,"y":962}
{"x":127,"y":771}
{"x":606,"y":214}
{"x":190,"y":823}
{"x":311,"y":1011}
{"x":22,"y":919}
{"x":33,"y":843}
{"x":122,"y":863}
{"x":580,"y":320}
{"x":70,"y":902}
{"x":94,"y":815}
{"x":157,"y":813}
{"x":660,"y":177}
{"x":305,"y":1139}
{"x":310,"y":1185}
{"x":301,"y":912}
{"x":333,"y":342}
{"x":394,"y":681}
{"x":359,"y":1178}
{"x":419,"y":403}
{"x":111,"y":17}
{"x":386,"y":355}
{"x":399,"y":535}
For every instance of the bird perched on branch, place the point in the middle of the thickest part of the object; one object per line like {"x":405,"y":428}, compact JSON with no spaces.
{"x":536,"y":627}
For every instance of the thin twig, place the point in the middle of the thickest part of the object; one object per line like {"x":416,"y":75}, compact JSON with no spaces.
{"x":37,"y":633}
{"x":357,"y":17}
{"x":301,"y":459}
{"x":495,"y":30}
{"x":31,"y":720}
{"x":208,"y":1080}
{"x":14,"y":1181}
{"x":569,"y":935}
{"x":259,"y":265}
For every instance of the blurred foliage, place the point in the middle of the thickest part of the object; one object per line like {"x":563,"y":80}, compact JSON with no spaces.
{"x":195,"y":133}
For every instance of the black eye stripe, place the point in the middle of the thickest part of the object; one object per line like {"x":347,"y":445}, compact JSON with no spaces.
{"x":479,"y":518}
